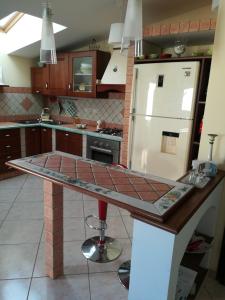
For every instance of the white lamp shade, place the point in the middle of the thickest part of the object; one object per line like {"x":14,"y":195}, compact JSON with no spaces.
{"x":115,"y":34}
{"x":47,"y":51}
{"x":133,"y":26}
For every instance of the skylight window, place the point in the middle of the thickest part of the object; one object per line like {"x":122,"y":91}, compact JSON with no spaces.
{"x":19,"y":30}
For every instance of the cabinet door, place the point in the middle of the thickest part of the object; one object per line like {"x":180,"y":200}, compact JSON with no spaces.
{"x":61,"y":141}
{"x":69,"y":142}
{"x":75,"y":144}
{"x":58,"y":76}
{"x":82,"y":74}
{"x":46,"y":140}
{"x":39,"y":79}
{"x":33,"y":138}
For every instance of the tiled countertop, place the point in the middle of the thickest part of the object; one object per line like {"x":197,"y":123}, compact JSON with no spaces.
{"x":148,"y":195}
{"x":67,"y":127}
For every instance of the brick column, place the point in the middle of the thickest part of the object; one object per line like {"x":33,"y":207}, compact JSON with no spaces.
{"x":53,"y":219}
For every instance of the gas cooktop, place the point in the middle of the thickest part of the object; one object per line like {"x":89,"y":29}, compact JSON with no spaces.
{"x":111,"y":131}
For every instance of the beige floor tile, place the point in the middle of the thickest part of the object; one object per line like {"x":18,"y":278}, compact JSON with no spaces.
{"x":128,"y":221}
{"x":214,"y":288}
{"x":74,"y":287}
{"x":114,"y":265}
{"x":8,"y":195}
{"x":23,"y":231}
{"x":13,"y":183}
{"x":115,"y":229}
{"x":106,"y":286}
{"x":203,"y":295}
{"x":30,"y":195}
{"x":26,"y":210}
{"x":74,"y":261}
{"x":14,"y":289}
{"x":33,"y":182}
{"x":91,"y":207}
{"x":73,"y":209}
{"x":72,"y":195}
{"x":73,"y":230}
{"x":17,"y":261}
{"x":4,"y":209}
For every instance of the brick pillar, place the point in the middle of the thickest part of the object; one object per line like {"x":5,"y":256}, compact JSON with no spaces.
{"x":53,"y":219}
{"x":127,"y":103}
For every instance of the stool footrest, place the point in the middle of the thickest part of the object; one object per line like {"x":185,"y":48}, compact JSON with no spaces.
{"x":102,"y":225}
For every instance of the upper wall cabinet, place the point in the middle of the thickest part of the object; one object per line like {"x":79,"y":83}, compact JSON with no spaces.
{"x":39,"y":78}
{"x":75,"y":74}
{"x":85,"y":70}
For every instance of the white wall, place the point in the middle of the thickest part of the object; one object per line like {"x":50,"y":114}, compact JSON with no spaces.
{"x":214,"y":118}
{"x":16,"y":70}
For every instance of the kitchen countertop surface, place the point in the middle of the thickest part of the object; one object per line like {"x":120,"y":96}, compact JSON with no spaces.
{"x":147,"y":196}
{"x":64,"y":127}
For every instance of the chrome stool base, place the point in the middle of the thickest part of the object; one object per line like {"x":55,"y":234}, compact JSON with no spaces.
{"x":124,"y":274}
{"x":94,"y":251}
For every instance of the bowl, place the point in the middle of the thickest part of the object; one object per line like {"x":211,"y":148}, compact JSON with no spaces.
{"x":153,"y":55}
{"x":165,"y":55}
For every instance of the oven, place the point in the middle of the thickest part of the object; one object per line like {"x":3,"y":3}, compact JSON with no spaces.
{"x":103,"y":150}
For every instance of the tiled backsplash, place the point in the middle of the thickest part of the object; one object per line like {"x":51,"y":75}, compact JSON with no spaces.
{"x":12,"y":104}
{"x":109,"y":110}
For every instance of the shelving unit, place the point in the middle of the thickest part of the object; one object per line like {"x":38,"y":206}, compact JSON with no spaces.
{"x":193,"y":261}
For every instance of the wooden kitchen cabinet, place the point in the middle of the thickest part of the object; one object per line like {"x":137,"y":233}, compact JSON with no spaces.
{"x":46,"y":140}
{"x":57,"y":82}
{"x":38,"y":140}
{"x":39,"y":78}
{"x":10,"y":147}
{"x":32,"y":140}
{"x":69,"y":142}
{"x":75,"y":74}
{"x":85,"y":69}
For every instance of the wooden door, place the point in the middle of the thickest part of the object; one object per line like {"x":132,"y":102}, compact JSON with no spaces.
{"x":58,"y":76}
{"x":32,"y":141}
{"x":46,"y":140}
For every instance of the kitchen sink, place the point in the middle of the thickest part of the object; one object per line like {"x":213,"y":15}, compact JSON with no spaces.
{"x":42,"y":122}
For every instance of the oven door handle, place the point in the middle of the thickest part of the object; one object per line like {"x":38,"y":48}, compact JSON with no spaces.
{"x":101,"y":149}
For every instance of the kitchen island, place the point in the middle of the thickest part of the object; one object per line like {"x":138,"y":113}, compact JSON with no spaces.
{"x":162,"y":229}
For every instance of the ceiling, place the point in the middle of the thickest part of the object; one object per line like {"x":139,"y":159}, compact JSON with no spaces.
{"x":88,"y":19}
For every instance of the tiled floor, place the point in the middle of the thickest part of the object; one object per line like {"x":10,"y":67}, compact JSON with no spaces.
{"x":22,"y":275}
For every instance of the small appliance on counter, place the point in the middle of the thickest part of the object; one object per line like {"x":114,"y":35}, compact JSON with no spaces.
{"x":45,"y":116}
{"x":110,"y":131}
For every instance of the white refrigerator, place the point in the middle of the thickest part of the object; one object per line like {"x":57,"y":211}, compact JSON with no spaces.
{"x":162,"y":110}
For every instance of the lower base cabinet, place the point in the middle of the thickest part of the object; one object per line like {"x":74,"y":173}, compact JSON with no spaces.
{"x":38,"y":140}
{"x":10,"y":147}
{"x":69,"y":142}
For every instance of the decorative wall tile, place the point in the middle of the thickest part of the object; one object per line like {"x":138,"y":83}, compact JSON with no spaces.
{"x":109,"y":110}
{"x":20,"y":104}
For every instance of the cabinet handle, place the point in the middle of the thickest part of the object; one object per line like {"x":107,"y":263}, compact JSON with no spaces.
{"x":44,"y":129}
{"x":8,"y":146}
{"x":69,"y":86}
{"x":46,"y":85}
{"x":33,"y":129}
{"x":66,"y":134}
{"x":7,"y":134}
{"x":37,"y":92}
{"x":8,"y":157}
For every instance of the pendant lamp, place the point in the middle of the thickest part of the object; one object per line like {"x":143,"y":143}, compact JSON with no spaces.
{"x":133,"y":26}
{"x":47,"y":51}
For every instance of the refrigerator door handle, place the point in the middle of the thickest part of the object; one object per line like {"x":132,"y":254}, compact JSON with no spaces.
{"x":134,"y":91}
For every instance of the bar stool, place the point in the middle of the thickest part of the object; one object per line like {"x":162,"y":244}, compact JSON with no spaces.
{"x":124,"y":273}
{"x":101,"y":248}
